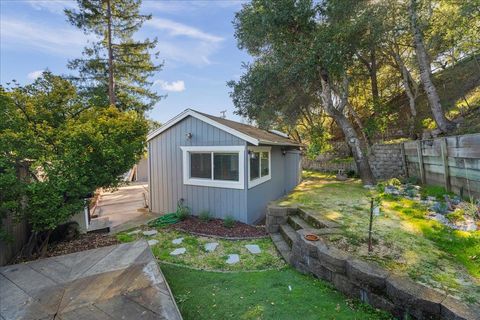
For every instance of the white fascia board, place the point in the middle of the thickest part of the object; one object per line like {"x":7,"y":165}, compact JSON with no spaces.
{"x":205,"y":119}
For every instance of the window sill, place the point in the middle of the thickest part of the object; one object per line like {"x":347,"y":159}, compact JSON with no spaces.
{"x":258,"y":181}
{"x":214,"y":183}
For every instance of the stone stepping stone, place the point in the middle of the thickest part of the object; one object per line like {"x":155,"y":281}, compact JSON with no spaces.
{"x":178,"y":251}
{"x":177,"y":241}
{"x":253,"y":248}
{"x":150,"y":233}
{"x":211,"y":246}
{"x":134,"y":232}
{"x":233,"y":258}
{"x":152,"y":242}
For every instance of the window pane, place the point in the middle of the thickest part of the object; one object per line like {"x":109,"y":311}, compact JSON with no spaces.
{"x":264,"y":164}
{"x":225,"y":166}
{"x":254,"y":165}
{"x":201,"y":165}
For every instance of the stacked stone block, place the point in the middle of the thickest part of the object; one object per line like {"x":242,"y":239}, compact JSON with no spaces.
{"x":402,"y":297}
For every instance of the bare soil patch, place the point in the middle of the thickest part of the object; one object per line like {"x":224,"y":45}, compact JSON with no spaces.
{"x":216,"y":228}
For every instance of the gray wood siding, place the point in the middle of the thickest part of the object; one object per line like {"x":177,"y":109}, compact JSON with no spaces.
{"x":282,"y":182}
{"x":165,"y":169}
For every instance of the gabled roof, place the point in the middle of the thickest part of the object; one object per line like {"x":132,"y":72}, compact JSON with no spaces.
{"x":254,"y":135}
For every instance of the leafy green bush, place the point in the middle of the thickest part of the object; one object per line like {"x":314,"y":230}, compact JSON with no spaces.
{"x":205,"y":216}
{"x":433,"y":191}
{"x":228,"y":222}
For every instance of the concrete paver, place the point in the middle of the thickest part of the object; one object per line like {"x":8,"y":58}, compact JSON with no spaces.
{"x":117,"y":282}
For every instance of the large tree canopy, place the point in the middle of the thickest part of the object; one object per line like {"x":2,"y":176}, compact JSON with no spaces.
{"x":67,"y":149}
{"x":116,"y":68}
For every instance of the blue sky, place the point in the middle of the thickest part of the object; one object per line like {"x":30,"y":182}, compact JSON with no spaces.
{"x":195,"y":41}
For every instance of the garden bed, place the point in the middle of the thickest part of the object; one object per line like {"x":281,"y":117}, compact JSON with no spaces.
{"x":81,"y":243}
{"x":405,"y":238}
{"x":216,"y":228}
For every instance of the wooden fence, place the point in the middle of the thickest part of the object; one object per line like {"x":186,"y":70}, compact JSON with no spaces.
{"x":19,"y":232}
{"x":452,"y":162}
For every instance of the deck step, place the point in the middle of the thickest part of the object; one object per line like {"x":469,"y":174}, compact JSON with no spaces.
{"x":298,"y":223}
{"x":288,"y":233}
{"x":282,"y":246}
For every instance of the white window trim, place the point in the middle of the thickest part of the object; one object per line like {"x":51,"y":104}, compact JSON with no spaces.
{"x":240,"y":184}
{"x":256,"y":182}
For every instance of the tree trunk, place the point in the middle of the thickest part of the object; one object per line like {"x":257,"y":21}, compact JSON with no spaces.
{"x":373,"y":78}
{"x":406,"y":78}
{"x":354,"y":143}
{"x":426,"y":73}
{"x":348,"y":130}
{"x":111,"y":83}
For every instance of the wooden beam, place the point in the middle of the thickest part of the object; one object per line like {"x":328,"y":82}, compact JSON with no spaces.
{"x":446,"y":169}
{"x":420,"y":162}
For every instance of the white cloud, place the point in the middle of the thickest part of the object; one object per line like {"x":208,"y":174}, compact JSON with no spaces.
{"x":62,"y":41}
{"x":55,"y":6}
{"x":175,"y":6}
{"x":178,"y":29}
{"x":35,"y":74}
{"x":174,"y":86}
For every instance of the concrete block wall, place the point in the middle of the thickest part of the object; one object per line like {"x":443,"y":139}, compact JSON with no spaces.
{"x":387,"y":161}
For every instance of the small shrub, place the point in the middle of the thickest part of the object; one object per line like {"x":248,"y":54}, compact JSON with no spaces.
{"x":205,"y":216}
{"x":394,"y":182}
{"x":228,"y":222}
{"x":456,"y":216}
{"x":183,"y":212}
{"x":380,"y":187}
{"x":440,"y":207}
{"x":433,"y":191}
{"x":471,"y":209}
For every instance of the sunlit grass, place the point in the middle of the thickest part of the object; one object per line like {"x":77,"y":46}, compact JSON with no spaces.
{"x":406,"y":241}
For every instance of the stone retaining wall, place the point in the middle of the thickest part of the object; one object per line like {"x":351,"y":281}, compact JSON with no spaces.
{"x":398,"y":295}
{"x":387,"y":161}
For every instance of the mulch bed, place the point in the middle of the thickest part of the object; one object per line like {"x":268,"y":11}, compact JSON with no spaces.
{"x":216,"y":228}
{"x":81,"y":243}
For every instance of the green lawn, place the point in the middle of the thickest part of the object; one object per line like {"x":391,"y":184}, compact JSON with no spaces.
{"x":260,"y":295}
{"x":405,"y":241}
{"x":197,"y":257}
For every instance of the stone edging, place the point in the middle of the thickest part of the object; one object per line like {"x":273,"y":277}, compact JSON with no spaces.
{"x":363,"y":280}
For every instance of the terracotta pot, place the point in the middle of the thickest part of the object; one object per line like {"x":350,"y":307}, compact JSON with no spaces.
{"x":312,"y":237}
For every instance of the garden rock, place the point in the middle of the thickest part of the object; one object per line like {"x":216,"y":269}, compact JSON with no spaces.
{"x":233,"y":258}
{"x":211,"y":246}
{"x":178,"y":251}
{"x":253,"y":248}
{"x":152,"y":242}
{"x":150,"y":233}
{"x":177,"y":241}
{"x":134,"y":232}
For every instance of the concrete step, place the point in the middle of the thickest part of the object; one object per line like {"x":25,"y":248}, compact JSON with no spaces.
{"x":100,"y":224}
{"x":316,"y":221}
{"x":282,"y":246}
{"x":298,"y":223}
{"x":288,"y":233}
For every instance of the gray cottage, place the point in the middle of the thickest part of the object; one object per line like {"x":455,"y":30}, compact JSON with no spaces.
{"x":218,"y":165}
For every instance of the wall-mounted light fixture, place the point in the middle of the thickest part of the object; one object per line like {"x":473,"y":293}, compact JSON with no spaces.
{"x":284,"y":151}
{"x":188,"y":136}
{"x":251,"y":154}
